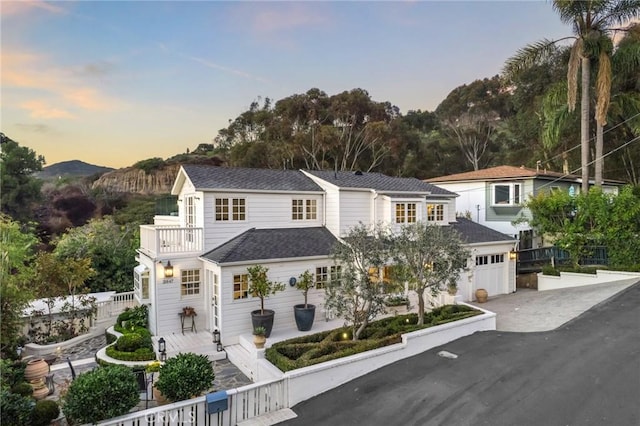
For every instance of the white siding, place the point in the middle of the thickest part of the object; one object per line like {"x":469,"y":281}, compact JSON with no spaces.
{"x":505,"y":273}
{"x":332,"y":210}
{"x":472,"y":195}
{"x":355,"y":207}
{"x":170,"y":302}
{"x":263,"y":210}
{"x":236,"y":314}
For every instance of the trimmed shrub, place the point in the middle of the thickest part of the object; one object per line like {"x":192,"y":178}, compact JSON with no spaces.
{"x":185,"y":376}
{"x":141,"y":354}
{"x":44,"y":411}
{"x":101,"y":394}
{"x":15,"y":409}
{"x":23,"y":388}
{"x":130,"y":342}
{"x":329,"y":345}
{"x":137,"y":316}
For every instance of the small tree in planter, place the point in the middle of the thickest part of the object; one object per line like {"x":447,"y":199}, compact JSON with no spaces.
{"x":101,"y":394}
{"x":185,"y":376}
{"x":305,"y":313}
{"x":260,"y":286}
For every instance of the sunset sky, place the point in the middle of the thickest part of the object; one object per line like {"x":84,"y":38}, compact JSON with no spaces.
{"x":112,"y":83}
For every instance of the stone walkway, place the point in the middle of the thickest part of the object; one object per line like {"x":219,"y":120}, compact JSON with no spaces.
{"x":82,"y":356}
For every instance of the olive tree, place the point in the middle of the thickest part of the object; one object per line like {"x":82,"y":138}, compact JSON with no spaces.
{"x":430,"y":258}
{"x":358,"y":296}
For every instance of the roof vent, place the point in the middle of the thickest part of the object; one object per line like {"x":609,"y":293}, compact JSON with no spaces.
{"x":358,"y":173}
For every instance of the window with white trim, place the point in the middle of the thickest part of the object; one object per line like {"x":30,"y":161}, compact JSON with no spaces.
{"x":435,"y":212}
{"x":406,"y":212}
{"x":326,"y":274}
{"x":506,"y":194}
{"x":304,"y":209}
{"x":240,"y":286}
{"x":141,"y":284}
{"x":190,"y":282}
{"x":322,"y":276}
{"x":231,"y":209}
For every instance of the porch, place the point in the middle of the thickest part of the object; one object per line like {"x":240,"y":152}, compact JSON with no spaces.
{"x":157,"y":240}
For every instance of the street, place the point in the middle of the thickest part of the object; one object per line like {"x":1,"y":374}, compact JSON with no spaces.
{"x":587,"y":372}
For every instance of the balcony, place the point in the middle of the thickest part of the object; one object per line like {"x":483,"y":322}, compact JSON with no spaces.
{"x":161,"y":240}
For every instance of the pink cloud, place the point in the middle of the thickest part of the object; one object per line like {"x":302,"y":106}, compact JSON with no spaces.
{"x":40,"y":109}
{"x":12,"y":8}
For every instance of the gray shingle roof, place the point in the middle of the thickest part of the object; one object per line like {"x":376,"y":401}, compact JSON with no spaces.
{"x":472,"y":232}
{"x":265,"y":244}
{"x":377,"y":181}
{"x":214,"y":177}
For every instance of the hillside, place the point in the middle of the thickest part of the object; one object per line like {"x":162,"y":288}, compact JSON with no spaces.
{"x":153,"y":176}
{"x":71,"y":168}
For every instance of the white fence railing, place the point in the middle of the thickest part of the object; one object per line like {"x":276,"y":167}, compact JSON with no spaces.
{"x":157,"y":240}
{"x":116,"y":304}
{"x":243,"y":403}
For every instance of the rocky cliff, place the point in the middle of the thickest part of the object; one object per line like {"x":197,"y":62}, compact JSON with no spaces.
{"x":137,"y":181}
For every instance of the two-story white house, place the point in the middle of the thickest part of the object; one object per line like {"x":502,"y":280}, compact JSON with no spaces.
{"x":288,"y":221}
{"x":495,"y":197}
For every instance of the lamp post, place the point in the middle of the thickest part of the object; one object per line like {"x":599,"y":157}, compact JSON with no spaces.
{"x":216,"y":340}
{"x":162,"y":348}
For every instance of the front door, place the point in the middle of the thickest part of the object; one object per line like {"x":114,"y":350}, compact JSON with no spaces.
{"x":213,"y":284}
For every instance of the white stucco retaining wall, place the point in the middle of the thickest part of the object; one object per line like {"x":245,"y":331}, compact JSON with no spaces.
{"x":308,"y":382}
{"x":573,"y":279}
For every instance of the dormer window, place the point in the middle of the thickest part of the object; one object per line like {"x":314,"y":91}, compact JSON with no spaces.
{"x":304,"y":209}
{"x":506,"y":194}
{"x":230,"y":209}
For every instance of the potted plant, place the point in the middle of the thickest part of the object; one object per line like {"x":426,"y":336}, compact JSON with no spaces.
{"x":259,"y":337}
{"x":304,"y":313}
{"x":260,"y":286}
{"x":188,"y":311}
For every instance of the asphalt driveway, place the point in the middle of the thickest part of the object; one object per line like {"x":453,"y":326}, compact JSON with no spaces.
{"x":587,"y":372}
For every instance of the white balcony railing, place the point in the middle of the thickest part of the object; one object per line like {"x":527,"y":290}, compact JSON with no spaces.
{"x":116,"y":304}
{"x":158,"y":240}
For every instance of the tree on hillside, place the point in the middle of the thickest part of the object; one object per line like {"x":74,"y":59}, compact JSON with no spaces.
{"x":357,"y":295}
{"x":471,"y":115}
{"x":430,"y":258}
{"x":347,"y":131}
{"x":592,"y":23}
{"x":19,"y":190}
{"x":17,"y":248}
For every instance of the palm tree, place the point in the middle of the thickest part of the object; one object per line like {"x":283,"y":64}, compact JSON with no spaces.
{"x":593,"y":22}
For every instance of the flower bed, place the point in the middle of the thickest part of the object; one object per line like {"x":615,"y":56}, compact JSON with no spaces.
{"x":330,"y":345}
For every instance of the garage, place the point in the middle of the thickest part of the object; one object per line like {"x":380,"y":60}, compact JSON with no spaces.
{"x":490,"y":273}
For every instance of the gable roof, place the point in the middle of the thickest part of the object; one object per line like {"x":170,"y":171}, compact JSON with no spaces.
{"x":504,"y":172}
{"x":472,"y":232}
{"x":378,"y":181}
{"x":220,"y":178}
{"x":281,"y":243}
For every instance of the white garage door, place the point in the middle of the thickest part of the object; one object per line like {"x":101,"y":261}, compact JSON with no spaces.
{"x":489,"y":273}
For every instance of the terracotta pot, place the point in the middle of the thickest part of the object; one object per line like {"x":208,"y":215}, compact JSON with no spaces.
{"x":157,"y":395}
{"x":40,"y":389}
{"x":36,"y":370}
{"x":259,"y":341}
{"x":481,"y":295}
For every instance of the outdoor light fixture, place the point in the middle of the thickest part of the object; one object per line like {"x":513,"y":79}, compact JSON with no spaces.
{"x":162,"y":345}
{"x":513,"y":255}
{"x":216,"y":336}
{"x":168,"y":270}
{"x":163,"y":356}
{"x":219,"y":347}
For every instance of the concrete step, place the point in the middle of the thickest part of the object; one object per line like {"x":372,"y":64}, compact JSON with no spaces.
{"x":243,"y":359}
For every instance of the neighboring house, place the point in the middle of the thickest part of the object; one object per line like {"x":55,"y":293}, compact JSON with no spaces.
{"x":494,"y":197}
{"x":288,"y":221}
